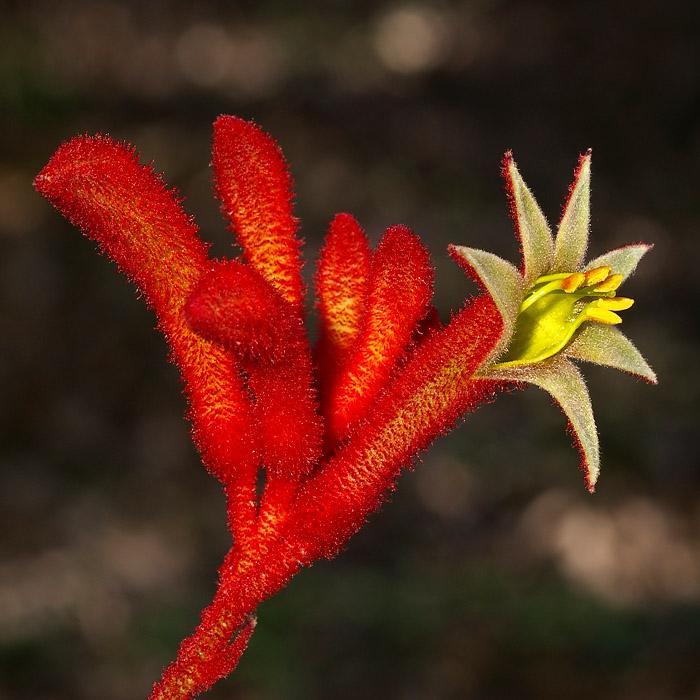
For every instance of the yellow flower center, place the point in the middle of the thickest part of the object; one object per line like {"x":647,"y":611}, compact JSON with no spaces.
{"x":556,"y":306}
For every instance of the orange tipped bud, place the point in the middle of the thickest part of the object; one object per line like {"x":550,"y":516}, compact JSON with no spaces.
{"x":255,"y":188}
{"x":596,"y":275}
{"x":617,"y":303}
{"x":610,"y":284}
{"x":602,"y":315}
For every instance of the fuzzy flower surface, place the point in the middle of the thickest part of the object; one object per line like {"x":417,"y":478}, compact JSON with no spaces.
{"x":307,"y":442}
{"x":558,"y":307}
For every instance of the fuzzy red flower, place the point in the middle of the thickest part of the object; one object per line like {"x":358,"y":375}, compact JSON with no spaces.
{"x":332,"y":429}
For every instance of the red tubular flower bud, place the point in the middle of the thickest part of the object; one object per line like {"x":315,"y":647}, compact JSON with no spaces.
{"x":341,"y":286}
{"x":400,"y":287}
{"x":253,"y":182}
{"x":233,"y":305}
{"x":100,"y":187}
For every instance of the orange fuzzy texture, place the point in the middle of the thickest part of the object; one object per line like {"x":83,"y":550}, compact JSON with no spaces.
{"x":253,"y":183}
{"x":400,"y":287}
{"x":234,"y":306}
{"x":424,"y":401}
{"x":401,"y":379}
{"x":432,"y":391}
{"x":341,"y":286}
{"x":206,"y":657}
{"x":101,"y":188}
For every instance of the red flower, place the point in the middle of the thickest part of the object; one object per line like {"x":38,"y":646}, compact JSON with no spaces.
{"x":331,"y":430}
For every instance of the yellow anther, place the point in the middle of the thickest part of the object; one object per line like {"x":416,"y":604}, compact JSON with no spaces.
{"x":601,"y":315}
{"x":596,"y":275}
{"x":573,"y":282}
{"x":616,"y":303}
{"x":610,"y":284}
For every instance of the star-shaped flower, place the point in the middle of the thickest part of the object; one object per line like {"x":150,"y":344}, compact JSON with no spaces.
{"x":558,"y":308}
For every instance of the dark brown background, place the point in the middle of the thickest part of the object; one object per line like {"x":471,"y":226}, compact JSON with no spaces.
{"x":491,"y":574}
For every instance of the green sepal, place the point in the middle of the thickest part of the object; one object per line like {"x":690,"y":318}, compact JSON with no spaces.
{"x":532,"y":227}
{"x":501,"y":280}
{"x":606,"y":345}
{"x":572,"y":236}
{"x":565,"y":384}
{"x":622,"y":261}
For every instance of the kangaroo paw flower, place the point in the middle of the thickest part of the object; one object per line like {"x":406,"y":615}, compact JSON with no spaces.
{"x":392,"y":377}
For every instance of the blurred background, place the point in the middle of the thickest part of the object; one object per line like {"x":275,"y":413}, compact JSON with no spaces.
{"x":491,"y":573}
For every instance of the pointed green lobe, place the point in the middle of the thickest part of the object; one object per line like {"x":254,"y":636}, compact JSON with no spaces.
{"x":566,"y":386}
{"x":622,"y":261}
{"x":572,"y":236}
{"x":606,"y":345}
{"x":531,"y":225}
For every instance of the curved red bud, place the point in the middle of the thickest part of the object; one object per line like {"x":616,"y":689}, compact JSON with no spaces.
{"x":253,"y":182}
{"x":99,"y":186}
{"x":234,"y":306}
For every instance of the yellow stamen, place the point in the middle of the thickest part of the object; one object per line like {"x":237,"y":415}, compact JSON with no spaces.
{"x":610,"y":284}
{"x":601,"y":315}
{"x":573,"y":282}
{"x":616,"y":303}
{"x":596,"y":275}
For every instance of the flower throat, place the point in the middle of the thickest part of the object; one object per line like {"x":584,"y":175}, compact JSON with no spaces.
{"x":556,"y":306}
